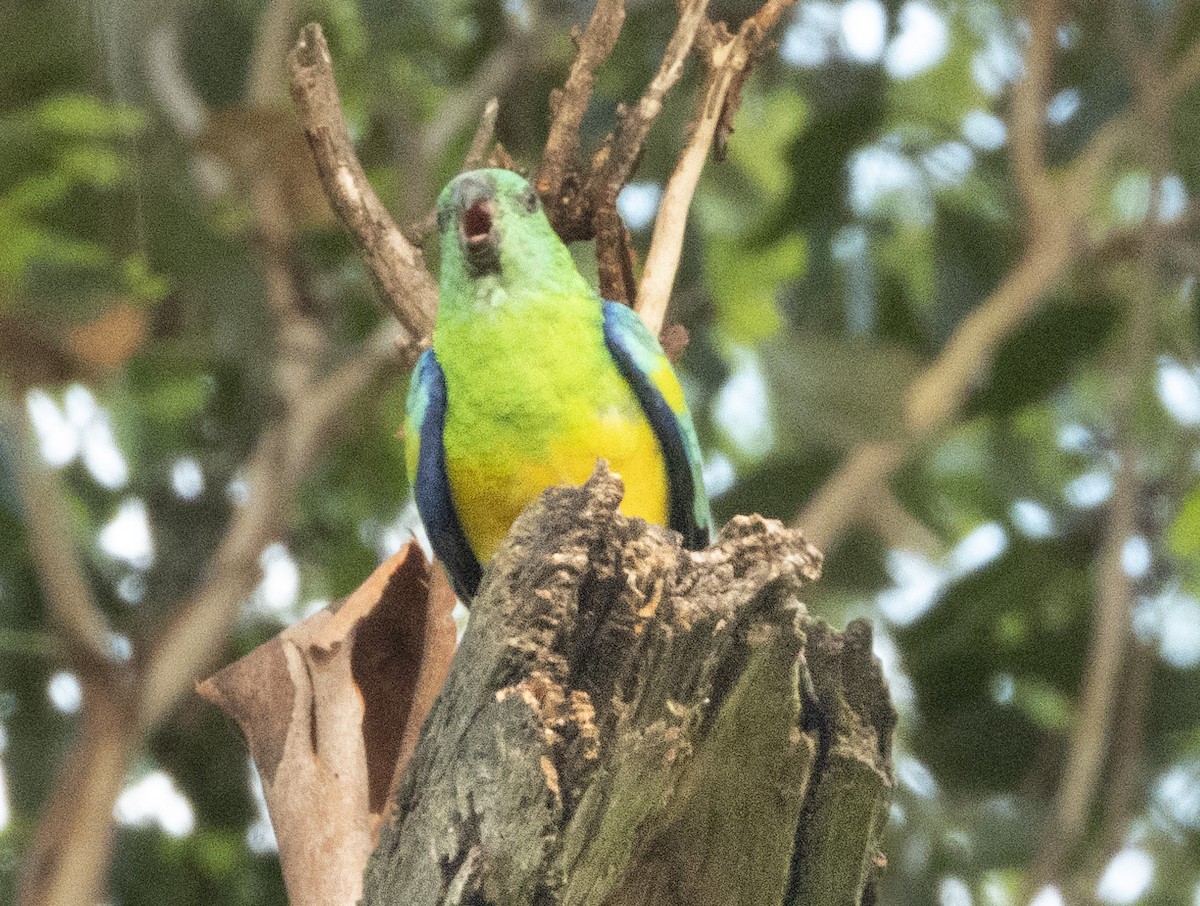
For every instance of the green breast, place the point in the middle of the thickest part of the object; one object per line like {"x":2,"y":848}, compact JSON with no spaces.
{"x":533,"y":398}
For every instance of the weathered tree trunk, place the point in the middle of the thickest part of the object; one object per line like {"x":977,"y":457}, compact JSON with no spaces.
{"x":627,"y":722}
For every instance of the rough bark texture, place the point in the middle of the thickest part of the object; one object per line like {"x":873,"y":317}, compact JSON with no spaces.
{"x":628,"y":722}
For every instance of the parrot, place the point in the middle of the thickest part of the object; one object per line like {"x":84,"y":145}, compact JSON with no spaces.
{"x":530,"y":379}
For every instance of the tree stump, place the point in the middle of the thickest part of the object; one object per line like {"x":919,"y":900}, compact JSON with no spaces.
{"x":628,"y":722}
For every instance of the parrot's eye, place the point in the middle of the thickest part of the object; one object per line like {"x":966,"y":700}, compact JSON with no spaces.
{"x":477,"y":221}
{"x":529,"y":200}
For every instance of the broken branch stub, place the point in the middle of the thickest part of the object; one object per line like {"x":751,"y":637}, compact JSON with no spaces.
{"x":628,"y":722}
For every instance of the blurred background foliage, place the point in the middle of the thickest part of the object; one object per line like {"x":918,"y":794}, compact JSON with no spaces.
{"x":866,"y":207}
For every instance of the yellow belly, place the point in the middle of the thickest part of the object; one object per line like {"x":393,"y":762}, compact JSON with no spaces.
{"x":489,"y":493}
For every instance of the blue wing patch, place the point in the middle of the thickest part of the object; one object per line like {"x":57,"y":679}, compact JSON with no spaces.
{"x":426,"y":417}
{"x":645,"y":366}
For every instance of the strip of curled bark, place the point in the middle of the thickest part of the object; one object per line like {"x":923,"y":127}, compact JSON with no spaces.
{"x":628,"y":722}
{"x":397,"y":264}
{"x":729,"y":60}
{"x":331,"y":709}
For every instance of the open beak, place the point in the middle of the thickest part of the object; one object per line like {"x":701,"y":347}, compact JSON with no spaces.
{"x":475,"y":203}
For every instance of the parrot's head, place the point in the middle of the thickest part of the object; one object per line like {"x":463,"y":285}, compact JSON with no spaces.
{"x":495,"y":235}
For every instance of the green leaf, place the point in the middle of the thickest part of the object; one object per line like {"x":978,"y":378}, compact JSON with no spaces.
{"x":1184,"y":534}
{"x":86,"y":116}
{"x":744,"y":283}
{"x":839,"y":390}
{"x":144,"y":286}
{"x":765,"y":127}
{"x":1045,"y":353}
{"x":942,"y":95}
{"x":1042,"y":703}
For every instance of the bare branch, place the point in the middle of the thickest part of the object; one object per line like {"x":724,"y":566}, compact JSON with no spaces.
{"x":1090,"y":737}
{"x":613,"y":164}
{"x":1130,"y":382}
{"x":1028,"y":115}
{"x":267,"y":83}
{"x":899,"y":528}
{"x":940,"y":391}
{"x":841,"y":499}
{"x":169,"y":85}
{"x":614,"y":255}
{"x":73,"y":610}
{"x":484,"y":134}
{"x":729,"y":60}
{"x":1182,"y":76}
{"x":283,"y":457}
{"x":66,"y":862}
{"x":938,"y":394}
{"x":560,"y":159}
{"x":516,"y":56}
{"x":397,"y":264}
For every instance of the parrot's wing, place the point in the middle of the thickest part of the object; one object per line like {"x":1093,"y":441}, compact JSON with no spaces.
{"x":645,"y":366}
{"x":425,"y":419}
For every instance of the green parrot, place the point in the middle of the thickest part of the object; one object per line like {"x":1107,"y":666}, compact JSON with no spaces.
{"x":531,"y":379}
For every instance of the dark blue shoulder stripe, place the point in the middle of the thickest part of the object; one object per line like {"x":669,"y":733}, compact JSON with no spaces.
{"x":434,"y":501}
{"x":681,"y":491}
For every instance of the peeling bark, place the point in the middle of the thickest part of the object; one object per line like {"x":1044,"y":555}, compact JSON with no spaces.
{"x":331,"y":709}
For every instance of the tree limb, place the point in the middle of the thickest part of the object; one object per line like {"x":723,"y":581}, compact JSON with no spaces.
{"x":1027,"y":118}
{"x":938,"y":394}
{"x":484,"y":133}
{"x":121,"y":707}
{"x":398,"y":265}
{"x":74,"y":613}
{"x":728,"y":60}
{"x":1106,"y":675}
{"x":614,"y":163}
{"x":283,"y":457}
{"x":560,"y":158}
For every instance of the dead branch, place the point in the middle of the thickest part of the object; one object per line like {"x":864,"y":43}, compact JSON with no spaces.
{"x":484,"y":132}
{"x":558,"y":178}
{"x":1090,"y":736}
{"x":284,"y":456}
{"x":398,"y":265}
{"x":121,"y":707}
{"x":639,"y":713}
{"x":74,"y":613}
{"x":517,"y":55}
{"x":613,"y":164}
{"x":70,"y":852}
{"x":1109,"y":656}
{"x":729,"y":59}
